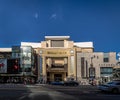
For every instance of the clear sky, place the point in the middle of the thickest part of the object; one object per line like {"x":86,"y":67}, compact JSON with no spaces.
{"x":82,"y":20}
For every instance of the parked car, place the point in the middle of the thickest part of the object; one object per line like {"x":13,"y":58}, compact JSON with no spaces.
{"x":71,"y":83}
{"x":57,"y":83}
{"x":113,"y":86}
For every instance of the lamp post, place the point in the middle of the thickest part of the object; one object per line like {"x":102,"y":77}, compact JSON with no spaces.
{"x":92,"y":69}
{"x":23,"y":65}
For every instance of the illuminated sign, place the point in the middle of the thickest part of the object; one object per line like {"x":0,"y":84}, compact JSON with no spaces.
{"x":56,"y":52}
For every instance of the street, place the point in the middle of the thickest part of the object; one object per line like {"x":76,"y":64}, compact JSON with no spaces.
{"x":85,"y":92}
{"x":51,"y":92}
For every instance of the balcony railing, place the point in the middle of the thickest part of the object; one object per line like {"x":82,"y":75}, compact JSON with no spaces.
{"x":57,"y":68}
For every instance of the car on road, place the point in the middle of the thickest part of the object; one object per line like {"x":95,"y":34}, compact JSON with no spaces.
{"x":71,"y":83}
{"x":113,"y":87}
{"x":57,"y":83}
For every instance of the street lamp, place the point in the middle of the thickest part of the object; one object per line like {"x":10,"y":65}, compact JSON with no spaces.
{"x":92,"y":69}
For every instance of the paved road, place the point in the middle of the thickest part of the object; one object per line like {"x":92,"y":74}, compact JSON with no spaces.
{"x":75,"y":91}
{"x":31,"y":92}
{"x":84,"y":92}
{"x":49,"y":92}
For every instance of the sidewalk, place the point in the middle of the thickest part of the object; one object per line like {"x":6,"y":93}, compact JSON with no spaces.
{"x":40,"y":84}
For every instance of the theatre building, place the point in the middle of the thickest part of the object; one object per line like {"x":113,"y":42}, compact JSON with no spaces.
{"x":58,"y":58}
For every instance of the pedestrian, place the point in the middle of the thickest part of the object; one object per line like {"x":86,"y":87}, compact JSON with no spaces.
{"x":24,"y":82}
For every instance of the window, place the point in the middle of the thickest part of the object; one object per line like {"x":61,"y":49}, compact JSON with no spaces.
{"x":27,"y":69}
{"x":106,"y":70}
{"x":106,"y":60}
{"x":57,"y":43}
{"x":106,"y":57}
{"x":18,"y":54}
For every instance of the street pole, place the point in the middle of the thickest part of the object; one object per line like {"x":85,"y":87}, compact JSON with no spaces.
{"x":91,"y":69}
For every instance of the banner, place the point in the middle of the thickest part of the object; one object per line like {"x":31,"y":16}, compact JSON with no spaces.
{"x":3,"y":65}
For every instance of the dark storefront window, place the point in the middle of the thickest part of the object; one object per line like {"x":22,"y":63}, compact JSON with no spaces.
{"x":106,"y":71}
{"x":27,"y":69}
{"x":13,"y":66}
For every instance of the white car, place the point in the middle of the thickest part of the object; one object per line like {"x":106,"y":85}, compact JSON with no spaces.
{"x":113,"y":86}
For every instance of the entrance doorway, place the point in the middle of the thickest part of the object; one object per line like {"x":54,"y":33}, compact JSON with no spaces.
{"x":106,"y":79}
{"x":57,"y":77}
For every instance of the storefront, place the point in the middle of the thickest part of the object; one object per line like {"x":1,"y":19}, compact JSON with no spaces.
{"x":106,"y":74}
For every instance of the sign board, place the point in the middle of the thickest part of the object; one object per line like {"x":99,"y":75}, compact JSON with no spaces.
{"x":16,"y":49}
{"x":91,"y":72}
{"x":3,"y":65}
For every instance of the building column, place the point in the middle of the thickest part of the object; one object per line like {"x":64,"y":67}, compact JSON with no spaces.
{"x":52,"y":76}
{"x":38,"y":64}
{"x":64,"y":76}
{"x":44,"y":70}
{"x":69,"y":66}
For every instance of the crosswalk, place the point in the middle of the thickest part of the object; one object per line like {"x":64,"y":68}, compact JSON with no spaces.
{"x":7,"y":86}
{"x":86,"y":90}
{"x":44,"y":85}
{"x":11,"y":86}
{"x":79,"y":90}
{"x":80,"y":86}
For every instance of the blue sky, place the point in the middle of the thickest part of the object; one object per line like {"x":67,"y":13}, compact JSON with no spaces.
{"x":82,"y":20}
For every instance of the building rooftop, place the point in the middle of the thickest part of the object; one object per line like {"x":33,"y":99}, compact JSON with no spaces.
{"x":84,"y":44}
{"x":5,"y":49}
{"x":57,"y":37}
{"x":33,"y":44}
